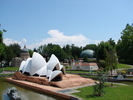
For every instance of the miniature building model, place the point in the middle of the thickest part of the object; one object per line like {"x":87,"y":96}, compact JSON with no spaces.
{"x":37,"y":66}
{"x":24,"y":55}
{"x":85,"y":66}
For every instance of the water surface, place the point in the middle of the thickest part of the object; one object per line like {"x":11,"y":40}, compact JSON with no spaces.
{"x":25,"y":94}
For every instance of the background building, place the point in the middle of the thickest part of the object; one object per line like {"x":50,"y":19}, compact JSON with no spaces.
{"x":23,"y":56}
{"x":82,"y":65}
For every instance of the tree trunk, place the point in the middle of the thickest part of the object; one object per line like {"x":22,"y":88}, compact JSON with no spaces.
{"x":111,"y":79}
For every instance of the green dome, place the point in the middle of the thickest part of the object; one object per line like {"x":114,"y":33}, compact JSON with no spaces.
{"x":89,"y":53}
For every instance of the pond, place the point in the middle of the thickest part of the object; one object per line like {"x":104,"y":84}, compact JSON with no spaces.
{"x":25,"y":94}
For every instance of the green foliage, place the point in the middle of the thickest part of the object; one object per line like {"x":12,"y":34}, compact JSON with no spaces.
{"x":112,"y":42}
{"x":8,"y":54}
{"x":2,"y":52}
{"x":101,"y":50}
{"x":99,"y":87}
{"x":30,"y":52}
{"x":111,"y":59}
{"x":91,"y":46}
{"x":125,"y":45}
{"x":16,"y":49}
{"x":85,"y":58}
{"x":48,"y":50}
{"x":1,"y":36}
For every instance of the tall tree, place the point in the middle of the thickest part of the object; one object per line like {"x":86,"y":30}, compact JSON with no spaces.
{"x":8,"y":54}
{"x":111,"y":61}
{"x":1,"y":36}
{"x":16,"y":49}
{"x":125,"y":45}
{"x":76,"y":51}
{"x":101,"y":50}
{"x":2,"y":53}
{"x":2,"y":47}
{"x":112,"y":42}
{"x":91,"y":46}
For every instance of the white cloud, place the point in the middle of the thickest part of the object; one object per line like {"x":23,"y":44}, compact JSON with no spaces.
{"x":56,"y":37}
{"x":8,"y":41}
{"x":61,"y":39}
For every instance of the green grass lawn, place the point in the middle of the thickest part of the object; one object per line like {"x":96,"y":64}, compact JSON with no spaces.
{"x":10,"y":68}
{"x":1,"y":75}
{"x":120,"y":92}
{"x":119,"y":65}
{"x":80,"y":71}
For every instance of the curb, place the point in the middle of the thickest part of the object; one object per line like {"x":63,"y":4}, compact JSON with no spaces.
{"x":42,"y":90}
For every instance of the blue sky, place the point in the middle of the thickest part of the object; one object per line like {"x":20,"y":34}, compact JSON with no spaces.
{"x":79,"y":22}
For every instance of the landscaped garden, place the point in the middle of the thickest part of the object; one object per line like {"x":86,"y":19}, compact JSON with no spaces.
{"x":117,"y":92}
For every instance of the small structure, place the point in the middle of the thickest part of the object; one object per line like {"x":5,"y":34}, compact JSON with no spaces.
{"x":24,"y":55}
{"x":12,"y":93}
{"x":85,"y":66}
{"x":119,"y":77}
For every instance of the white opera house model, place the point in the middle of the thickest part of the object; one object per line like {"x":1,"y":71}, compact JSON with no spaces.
{"x":37,"y":66}
{"x":50,"y":73}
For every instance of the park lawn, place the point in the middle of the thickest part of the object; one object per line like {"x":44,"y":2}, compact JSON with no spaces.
{"x":79,"y":71}
{"x":1,"y":75}
{"x":10,"y":68}
{"x":119,"y":66}
{"x":120,"y":92}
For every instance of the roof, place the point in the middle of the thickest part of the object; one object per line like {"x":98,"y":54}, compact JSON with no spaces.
{"x":89,"y":53}
{"x":24,"y":50}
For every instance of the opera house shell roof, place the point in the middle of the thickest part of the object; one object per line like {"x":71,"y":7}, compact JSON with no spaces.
{"x":37,"y":66}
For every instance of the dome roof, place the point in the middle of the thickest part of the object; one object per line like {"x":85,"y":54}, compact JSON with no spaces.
{"x":24,"y":50}
{"x":89,"y":53}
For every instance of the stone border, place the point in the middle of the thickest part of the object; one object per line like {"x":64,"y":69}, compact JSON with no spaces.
{"x":39,"y":88}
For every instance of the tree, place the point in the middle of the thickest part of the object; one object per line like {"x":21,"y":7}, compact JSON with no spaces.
{"x":85,"y":58}
{"x":112,"y":42}
{"x":2,"y":47}
{"x":1,"y":36}
{"x":30,"y":52}
{"x":99,"y":87}
{"x":43,"y":50}
{"x":111,"y":61}
{"x":125,"y":45}
{"x":59,"y":53}
{"x":2,"y":52}
{"x":91,"y":46}
{"x":16,"y":49}
{"x":101,"y":50}
{"x":75,"y":51}
{"x":8,"y":54}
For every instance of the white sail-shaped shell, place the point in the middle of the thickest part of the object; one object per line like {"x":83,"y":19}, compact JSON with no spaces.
{"x":53,"y":62}
{"x":54,"y":74}
{"x":37,"y":63}
{"x":42,"y":71}
{"x":27,"y":65}
{"x":62,"y":69}
{"x":22,"y":65}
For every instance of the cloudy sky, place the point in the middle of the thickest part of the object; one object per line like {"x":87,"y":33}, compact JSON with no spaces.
{"x":80,"y":22}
